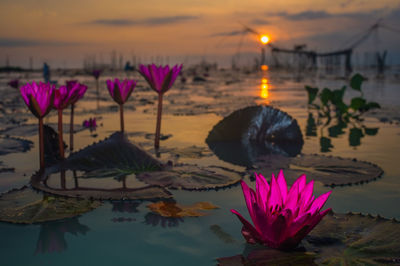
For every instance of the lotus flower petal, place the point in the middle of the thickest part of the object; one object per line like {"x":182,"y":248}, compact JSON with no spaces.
{"x":281,"y":219}
{"x":160,"y":78}
{"x":38,"y":97}
{"x":120,"y":91}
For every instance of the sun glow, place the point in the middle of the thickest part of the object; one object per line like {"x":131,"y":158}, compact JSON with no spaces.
{"x":264,"y":39}
{"x":264,"y":88}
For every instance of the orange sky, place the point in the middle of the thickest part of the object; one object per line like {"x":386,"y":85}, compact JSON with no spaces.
{"x":67,"y":31}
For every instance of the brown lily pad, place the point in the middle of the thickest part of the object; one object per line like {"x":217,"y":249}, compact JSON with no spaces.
{"x":330,"y":170}
{"x":173,"y":210}
{"x":27,"y":206}
{"x":339,"y":239}
{"x":191,"y":177}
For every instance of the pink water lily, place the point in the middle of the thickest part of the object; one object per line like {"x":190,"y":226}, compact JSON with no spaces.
{"x":120,"y":91}
{"x":76,"y":90}
{"x":38,"y":97}
{"x":160,"y":78}
{"x":96,"y":73}
{"x":281,"y":218}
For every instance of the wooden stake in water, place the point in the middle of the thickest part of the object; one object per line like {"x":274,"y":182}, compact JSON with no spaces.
{"x":158,"y":125}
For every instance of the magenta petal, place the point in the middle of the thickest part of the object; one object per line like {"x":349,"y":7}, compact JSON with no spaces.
{"x":319,"y":203}
{"x":249,"y":197}
{"x":275,"y":198}
{"x":248,"y":226}
{"x":282,"y":185}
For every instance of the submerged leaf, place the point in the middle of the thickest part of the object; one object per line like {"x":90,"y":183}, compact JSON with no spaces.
{"x":174,"y":210}
{"x":27,"y":206}
{"x":329,"y":170}
{"x":12,"y":145}
{"x":192,"y":177}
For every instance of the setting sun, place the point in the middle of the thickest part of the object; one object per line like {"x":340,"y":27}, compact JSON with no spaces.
{"x":264,"y":39}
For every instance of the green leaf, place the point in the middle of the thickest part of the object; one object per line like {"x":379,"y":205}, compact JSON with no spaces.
{"x":356,"y":82}
{"x":326,"y":144}
{"x":325,"y":96}
{"x":371,"y":131}
{"x":355,"y":137}
{"x":337,"y":97}
{"x":312,"y":94}
{"x":357,"y":103}
{"x":370,"y":106}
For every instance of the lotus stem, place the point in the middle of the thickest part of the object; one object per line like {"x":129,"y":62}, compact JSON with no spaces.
{"x":75,"y":179}
{"x":60,"y":134}
{"x":121,"y":114}
{"x":97,"y":93}
{"x":71,"y":129}
{"x":158,"y":126}
{"x":62,"y":181}
{"x":41,"y":144}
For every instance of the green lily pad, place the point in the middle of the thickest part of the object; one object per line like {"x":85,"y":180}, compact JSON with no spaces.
{"x":27,"y":206}
{"x":339,"y":239}
{"x":331,"y":171}
{"x":191,"y":177}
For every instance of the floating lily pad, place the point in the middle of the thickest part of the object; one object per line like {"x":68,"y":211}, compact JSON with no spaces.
{"x":27,"y":206}
{"x":331,"y":171}
{"x":113,"y":157}
{"x":339,"y":239}
{"x":38,"y":181}
{"x":12,"y":145}
{"x":250,"y":132}
{"x":33,"y":129}
{"x":191,"y":177}
{"x":173,"y":210}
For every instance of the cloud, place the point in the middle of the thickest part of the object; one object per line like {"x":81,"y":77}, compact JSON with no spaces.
{"x":260,"y":21}
{"x":16,"y":42}
{"x":309,"y":15}
{"x":156,"y":21}
{"x":229,"y":33}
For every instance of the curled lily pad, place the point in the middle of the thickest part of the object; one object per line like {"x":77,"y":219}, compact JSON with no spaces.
{"x":191,"y":177}
{"x":330,"y":170}
{"x":12,"y":145}
{"x":113,"y":157}
{"x":339,"y":239}
{"x":28,"y":206}
{"x":174,"y":210}
{"x":253,"y":131}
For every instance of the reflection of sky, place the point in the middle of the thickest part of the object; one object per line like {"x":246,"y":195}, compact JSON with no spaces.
{"x":178,"y":27}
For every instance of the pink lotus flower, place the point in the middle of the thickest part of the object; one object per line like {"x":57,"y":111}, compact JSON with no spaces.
{"x":38,"y":97}
{"x":91,"y":123}
{"x":281,"y":218}
{"x":120,"y":91}
{"x":160,"y":78}
{"x":76,"y":90}
{"x":14,"y":83}
{"x":96,"y":73}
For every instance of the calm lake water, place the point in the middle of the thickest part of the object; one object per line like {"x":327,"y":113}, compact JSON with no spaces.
{"x":128,"y":233}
